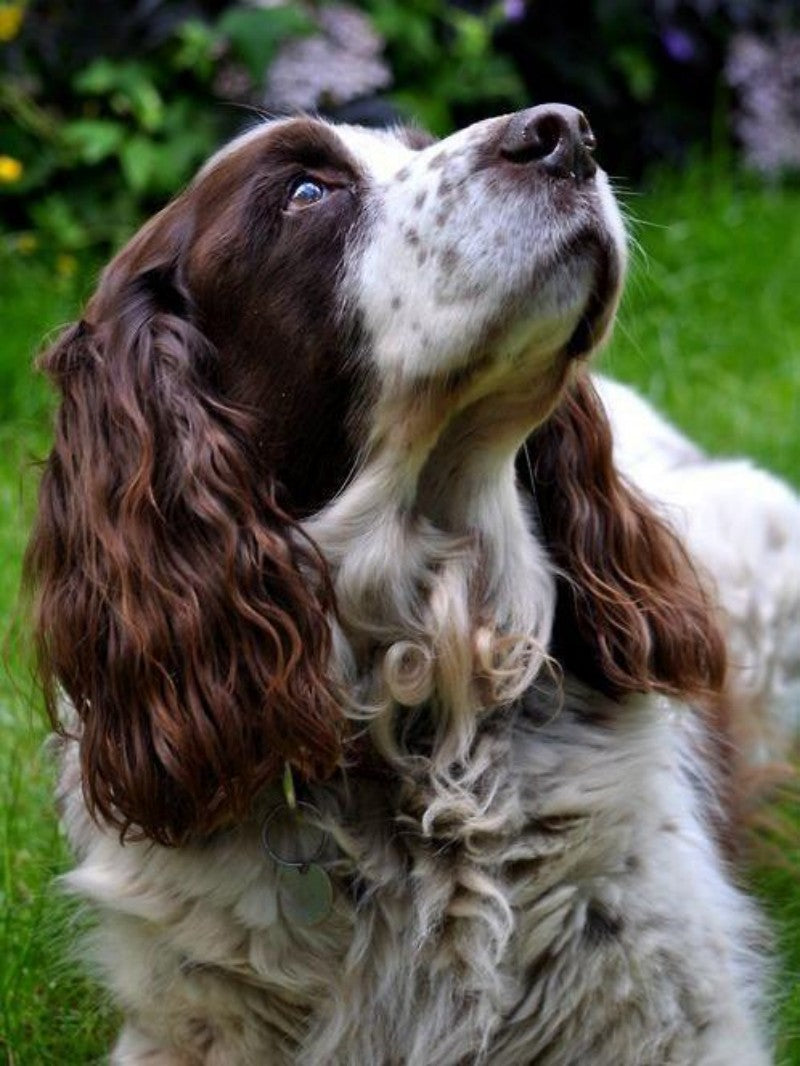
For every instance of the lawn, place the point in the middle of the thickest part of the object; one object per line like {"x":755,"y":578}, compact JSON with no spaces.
{"x":710,"y":330}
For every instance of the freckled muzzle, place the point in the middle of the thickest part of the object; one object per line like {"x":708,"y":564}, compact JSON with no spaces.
{"x":555,"y":141}
{"x":498,"y":245}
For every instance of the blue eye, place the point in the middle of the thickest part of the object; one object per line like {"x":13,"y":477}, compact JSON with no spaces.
{"x":306,"y":193}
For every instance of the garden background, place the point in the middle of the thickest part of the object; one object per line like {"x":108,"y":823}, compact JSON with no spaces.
{"x":105,"y":110}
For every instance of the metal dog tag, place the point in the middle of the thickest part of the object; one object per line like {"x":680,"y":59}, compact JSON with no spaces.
{"x":289,"y":838}
{"x":305,"y":894}
{"x":293,"y":842}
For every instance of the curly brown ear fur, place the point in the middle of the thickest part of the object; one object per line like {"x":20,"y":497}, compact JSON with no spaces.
{"x":176,"y":604}
{"x":632,"y":615}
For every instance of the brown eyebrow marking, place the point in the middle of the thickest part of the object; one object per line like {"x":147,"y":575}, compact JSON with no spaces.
{"x":312,"y":144}
{"x":303,"y":142}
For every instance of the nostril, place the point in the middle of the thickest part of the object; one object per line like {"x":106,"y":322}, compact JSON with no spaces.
{"x":548,"y":133}
{"x":533,"y":140}
{"x":556,"y":137}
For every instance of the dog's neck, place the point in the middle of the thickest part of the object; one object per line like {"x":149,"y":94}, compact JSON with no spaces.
{"x":445,"y":595}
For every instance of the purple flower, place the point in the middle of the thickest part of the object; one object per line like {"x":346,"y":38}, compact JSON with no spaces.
{"x":514,"y":10}
{"x":678,"y":44}
{"x":765,"y":72}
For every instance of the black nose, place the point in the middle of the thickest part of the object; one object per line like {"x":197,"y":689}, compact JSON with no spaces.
{"x":554,"y":137}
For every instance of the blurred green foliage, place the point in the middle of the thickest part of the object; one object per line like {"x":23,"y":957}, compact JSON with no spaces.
{"x":445,"y":61}
{"x":94,"y":151}
{"x":106,"y":109}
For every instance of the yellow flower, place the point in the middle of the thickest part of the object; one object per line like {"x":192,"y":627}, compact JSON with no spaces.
{"x":11,"y":16}
{"x":10,"y":170}
{"x":26,"y":243}
{"x":66,"y":265}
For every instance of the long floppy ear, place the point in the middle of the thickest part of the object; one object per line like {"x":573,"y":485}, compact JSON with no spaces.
{"x":177,"y":606}
{"x":632,"y":614}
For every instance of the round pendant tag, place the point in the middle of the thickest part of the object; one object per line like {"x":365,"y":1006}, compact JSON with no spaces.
{"x":305,"y":894}
{"x":289,"y":838}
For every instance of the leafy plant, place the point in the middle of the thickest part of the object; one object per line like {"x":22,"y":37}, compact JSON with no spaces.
{"x":92,"y":147}
{"x":445,"y":61}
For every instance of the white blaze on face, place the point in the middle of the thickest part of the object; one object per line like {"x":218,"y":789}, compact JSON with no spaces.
{"x":463,"y":252}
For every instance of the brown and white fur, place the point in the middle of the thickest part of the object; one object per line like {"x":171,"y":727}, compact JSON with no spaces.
{"x":286,"y":518}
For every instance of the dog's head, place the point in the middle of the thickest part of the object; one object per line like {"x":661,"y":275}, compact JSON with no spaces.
{"x":345,"y":277}
{"x":319,"y":299}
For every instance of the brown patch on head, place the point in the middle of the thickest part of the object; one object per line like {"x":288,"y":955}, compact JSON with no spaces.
{"x":262,"y":282}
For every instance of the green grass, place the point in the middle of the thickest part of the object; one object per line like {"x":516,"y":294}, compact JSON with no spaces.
{"x":49,"y":1013}
{"x":710,"y":330}
{"x":710,"y":325}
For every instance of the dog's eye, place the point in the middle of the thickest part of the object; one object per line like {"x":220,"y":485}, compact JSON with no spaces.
{"x":305,"y":192}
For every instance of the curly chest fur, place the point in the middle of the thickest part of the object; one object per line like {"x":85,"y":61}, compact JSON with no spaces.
{"x":485,"y":918}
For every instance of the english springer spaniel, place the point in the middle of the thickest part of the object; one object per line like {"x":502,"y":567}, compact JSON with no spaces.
{"x":389,"y":710}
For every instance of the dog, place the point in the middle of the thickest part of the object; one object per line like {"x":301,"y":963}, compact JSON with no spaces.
{"x":388,"y":709}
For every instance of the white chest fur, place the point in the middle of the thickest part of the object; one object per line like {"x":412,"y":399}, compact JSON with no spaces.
{"x":566,"y":906}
